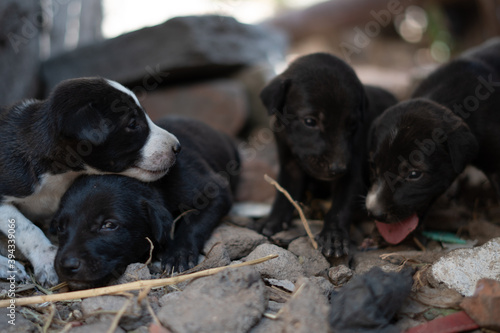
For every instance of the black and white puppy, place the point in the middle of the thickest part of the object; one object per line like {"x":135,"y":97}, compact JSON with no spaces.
{"x":321,"y":114}
{"x":103,"y":221}
{"x":419,"y":146}
{"x":86,"y":126}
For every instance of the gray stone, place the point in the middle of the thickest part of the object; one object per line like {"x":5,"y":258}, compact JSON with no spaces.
{"x":238,"y":241}
{"x":20,"y":26}
{"x":340,"y":275}
{"x":220,"y":103}
{"x":325,"y":286}
{"x":461,"y":269}
{"x":313,"y":262}
{"x":285,"y":267}
{"x":134,"y":272}
{"x":130,"y":320}
{"x":307,"y":311}
{"x":231,"y":301}
{"x":191,"y":47}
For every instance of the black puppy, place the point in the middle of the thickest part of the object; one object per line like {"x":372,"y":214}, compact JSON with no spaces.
{"x":86,"y":126}
{"x":420,"y":146}
{"x":103,"y":221}
{"x":321,"y":114}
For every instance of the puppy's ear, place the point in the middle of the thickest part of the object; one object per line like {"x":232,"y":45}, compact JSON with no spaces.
{"x":273,"y":96}
{"x":160,"y":221}
{"x":84,"y":124}
{"x":463,"y":147}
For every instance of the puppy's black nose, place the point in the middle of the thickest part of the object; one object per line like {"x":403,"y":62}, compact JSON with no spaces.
{"x":177,"y":148}
{"x":377,"y":215}
{"x":71,"y":264}
{"x":337,"y":168}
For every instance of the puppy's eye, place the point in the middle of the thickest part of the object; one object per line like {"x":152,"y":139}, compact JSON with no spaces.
{"x":60,"y":228}
{"x":414,"y":175}
{"x":132,"y":124}
{"x":109,"y":225}
{"x":310,"y":121}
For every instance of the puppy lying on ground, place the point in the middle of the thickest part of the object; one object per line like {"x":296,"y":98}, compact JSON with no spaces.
{"x":420,"y":146}
{"x":321,"y":115}
{"x":103,"y":221}
{"x":86,"y":126}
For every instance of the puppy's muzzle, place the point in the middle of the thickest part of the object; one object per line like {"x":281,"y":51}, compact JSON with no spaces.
{"x":337,"y":169}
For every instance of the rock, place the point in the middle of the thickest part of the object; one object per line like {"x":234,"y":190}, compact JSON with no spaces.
{"x":296,"y":230}
{"x":307,"y":311}
{"x":282,"y":284}
{"x":97,"y":327}
{"x":461,"y":269}
{"x":134,"y":272}
{"x":364,"y":261}
{"x":325,"y":286}
{"x":238,"y":241}
{"x":340,"y":275}
{"x":231,"y":301}
{"x":130,"y":320}
{"x":182,"y":48}
{"x":221,"y":104}
{"x":21,"y":324}
{"x":20,"y":26}
{"x":313,"y":262}
{"x":285,"y":267}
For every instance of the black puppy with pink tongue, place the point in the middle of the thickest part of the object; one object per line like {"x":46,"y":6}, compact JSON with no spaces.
{"x":418,"y":147}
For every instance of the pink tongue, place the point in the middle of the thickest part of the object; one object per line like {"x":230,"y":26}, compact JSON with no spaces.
{"x":394,"y":233}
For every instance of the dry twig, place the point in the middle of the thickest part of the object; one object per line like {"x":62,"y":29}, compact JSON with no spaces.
{"x":128,"y":286}
{"x":296,"y":205}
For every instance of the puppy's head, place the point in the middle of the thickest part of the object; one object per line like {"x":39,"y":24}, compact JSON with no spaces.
{"x":102,"y":127}
{"x":102,"y":225}
{"x":317,"y":106}
{"x":416,"y":150}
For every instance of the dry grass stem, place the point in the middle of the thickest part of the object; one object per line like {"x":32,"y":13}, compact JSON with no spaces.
{"x":119,"y":315}
{"x":128,"y":286}
{"x":297,"y":207}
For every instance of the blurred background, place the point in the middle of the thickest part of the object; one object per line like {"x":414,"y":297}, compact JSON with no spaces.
{"x":209,"y":59}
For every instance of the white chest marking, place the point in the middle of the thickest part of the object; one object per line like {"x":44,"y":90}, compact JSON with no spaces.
{"x":45,"y":200}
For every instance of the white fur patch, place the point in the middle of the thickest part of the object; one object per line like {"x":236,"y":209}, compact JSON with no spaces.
{"x":157,"y":155}
{"x":372,"y":199}
{"x":44,"y":201}
{"x":125,"y":90}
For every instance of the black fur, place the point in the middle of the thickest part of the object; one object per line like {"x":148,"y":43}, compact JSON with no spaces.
{"x":420,"y":146}
{"x":103,"y":221}
{"x":321,"y":114}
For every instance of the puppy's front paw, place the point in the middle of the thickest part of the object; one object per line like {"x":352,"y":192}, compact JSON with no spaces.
{"x":179,"y":259}
{"x":333,"y":242}
{"x":43,"y":265}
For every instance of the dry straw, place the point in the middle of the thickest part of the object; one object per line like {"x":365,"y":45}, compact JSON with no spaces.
{"x":137,"y":285}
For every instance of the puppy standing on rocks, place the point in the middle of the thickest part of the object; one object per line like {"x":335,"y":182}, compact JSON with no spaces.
{"x":420,"y":146}
{"x":321,"y":114}
{"x":86,"y":126}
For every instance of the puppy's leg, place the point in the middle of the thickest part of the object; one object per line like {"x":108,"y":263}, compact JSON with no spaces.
{"x":293,"y":179}
{"x":192,"y":231}
{"x":31,"y":241}
{"x":12,"y":268}
{"x":334,"y":238}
